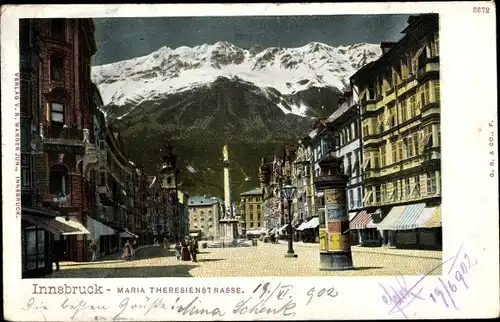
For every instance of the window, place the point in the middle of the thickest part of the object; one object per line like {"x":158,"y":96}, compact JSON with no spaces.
{"x":383,"y":191}
{"x":427,"y":92}
{"x":376,"y":160}
{"x":400,"y":150}
{"x":58,"y":29}
{"x":26,"y":170}
{"x":102,"y":178}
{"x":394,"y":152}
{"x":437,"y":91}
{"x":416,"y":188}
{"x":57,"y":114}
{"x":59,"y":179}
{"x":351,"y":199}
{"x":34,"y":248}
{"x":378,"y":195}
{"x":404,"y":111}
{"x":56,"y":68}
{"x":431,"y":183}
{"x":359,"y":198}
{"x":366,"y":129}
{"x":348,"y":170}
{"x":414,"y":110}
{"x":382,"y":156}
{"x":407,"y":187}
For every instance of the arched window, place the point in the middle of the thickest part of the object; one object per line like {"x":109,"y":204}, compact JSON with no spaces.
{"x":59,"y":179}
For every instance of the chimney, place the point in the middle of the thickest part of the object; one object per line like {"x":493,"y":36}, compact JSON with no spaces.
{"x":386,"y":46}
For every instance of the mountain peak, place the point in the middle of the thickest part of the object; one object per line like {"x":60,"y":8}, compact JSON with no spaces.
{"x":285,"y":70}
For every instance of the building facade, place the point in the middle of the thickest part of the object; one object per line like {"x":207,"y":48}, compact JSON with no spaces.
{"x":399,"y":96}
{"x":204,"y":216}
{"x":250,"y":209}
{"x":183,"y":204}
{"x":57,"y":139}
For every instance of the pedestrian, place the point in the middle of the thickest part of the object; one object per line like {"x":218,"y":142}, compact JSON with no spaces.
{"x":165,"y":243}
{"x":93,"y":249}
{"x":178,"y":250}
{"x":58,"y":252}
{"x":134,"y":248}
{"x":185,"y":256}
{"x":155,"y":242}
{"x":193,"y":249}
{"x":126,"y":251}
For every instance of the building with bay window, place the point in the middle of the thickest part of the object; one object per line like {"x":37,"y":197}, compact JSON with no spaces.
{"x":57,"y":139}
{"x":399,"y":95}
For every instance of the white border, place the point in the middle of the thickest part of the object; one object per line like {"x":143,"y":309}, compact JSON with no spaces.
{"x":470,"y":195}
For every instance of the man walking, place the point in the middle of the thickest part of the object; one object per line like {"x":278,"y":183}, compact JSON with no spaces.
{"x":93,"y":249}
{"x":58,"y":252}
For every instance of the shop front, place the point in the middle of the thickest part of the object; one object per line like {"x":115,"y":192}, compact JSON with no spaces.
{"x":363,"y":229}
{"x":414,"y":226}
{"x":38,"y":228}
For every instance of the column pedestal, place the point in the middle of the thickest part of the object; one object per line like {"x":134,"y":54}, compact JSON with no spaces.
{"x":228,"y":229}
{"x":335,"y":261}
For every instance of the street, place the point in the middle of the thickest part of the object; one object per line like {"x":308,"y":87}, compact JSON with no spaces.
{"x":262,"y":260}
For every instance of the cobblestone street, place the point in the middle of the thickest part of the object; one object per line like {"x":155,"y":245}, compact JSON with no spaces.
{"x":263,"y":260}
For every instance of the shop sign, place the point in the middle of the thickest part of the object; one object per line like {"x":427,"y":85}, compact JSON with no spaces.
{"x":59,"y":148}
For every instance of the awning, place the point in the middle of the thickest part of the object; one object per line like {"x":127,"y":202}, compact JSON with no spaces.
{"x":302,"y":226}
{"x":273,"y":231}
{"x":98,"y":229}
{"x":435,"y":220}
{"x":391,"y":218}
{"x":282,"y":228}
{"x":264,"y":231}
{"x":254,"y":232}
{"x":425,"y":216}
{"x":50,"y":224}
{"x":128,"y":234}
{"x":362,"y":219}
{"x":313,"y":223}
{"x":73,"y":222}
{"x":194,"y":234}
{"x":409,"y":219}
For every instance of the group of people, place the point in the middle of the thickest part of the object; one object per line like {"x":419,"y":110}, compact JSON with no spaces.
{"x":129,"y":250}
{"x":187,"y":249}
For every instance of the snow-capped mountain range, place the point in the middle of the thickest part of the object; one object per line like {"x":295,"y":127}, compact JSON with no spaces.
{"x":286,"y":70}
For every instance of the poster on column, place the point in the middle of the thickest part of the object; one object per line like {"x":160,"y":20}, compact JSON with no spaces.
{"x":322,"y":240}
{"x":334,"y":196}
{"x":335,"y":242}
{"x":336,"y":212}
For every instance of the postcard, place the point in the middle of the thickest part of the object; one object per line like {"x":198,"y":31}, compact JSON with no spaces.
{"x":249,"y":161}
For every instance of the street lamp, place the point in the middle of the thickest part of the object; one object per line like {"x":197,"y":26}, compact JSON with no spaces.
{"x":288,"y":193}
{"x":61,"y":200}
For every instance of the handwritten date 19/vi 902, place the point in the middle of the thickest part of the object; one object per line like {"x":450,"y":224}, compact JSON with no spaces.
{"x":400,"y":295}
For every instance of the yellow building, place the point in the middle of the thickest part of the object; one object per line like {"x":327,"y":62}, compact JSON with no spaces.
{"x":399,"y":95}
{"x":251,"y":209}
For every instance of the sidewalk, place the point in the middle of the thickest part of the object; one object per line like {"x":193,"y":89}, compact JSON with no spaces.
{"x":435,"y":254}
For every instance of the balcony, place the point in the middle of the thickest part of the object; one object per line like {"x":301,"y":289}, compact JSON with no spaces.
{"x":62,"y":133}
{"x":105,"y":194}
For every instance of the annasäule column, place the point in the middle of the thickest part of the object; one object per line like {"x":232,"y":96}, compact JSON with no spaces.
{"x":335,"y":244}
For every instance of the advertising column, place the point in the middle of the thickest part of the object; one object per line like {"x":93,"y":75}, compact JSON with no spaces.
{"x":335,"y":246}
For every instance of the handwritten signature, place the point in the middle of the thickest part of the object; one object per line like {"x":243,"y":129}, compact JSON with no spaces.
{"x":32,"y":306}
{"x":399,"y":295}
{"x":274,"y":300}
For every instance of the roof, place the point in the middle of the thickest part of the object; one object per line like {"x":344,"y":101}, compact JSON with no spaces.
{"x":253,"y":192}
{"x":197,"y":201}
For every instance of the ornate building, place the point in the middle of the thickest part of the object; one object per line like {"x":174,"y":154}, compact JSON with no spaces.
{"x":399,"y":96}
{"x":57,"y":137}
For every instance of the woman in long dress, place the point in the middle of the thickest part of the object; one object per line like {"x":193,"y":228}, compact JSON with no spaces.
{"x":185,"y":256}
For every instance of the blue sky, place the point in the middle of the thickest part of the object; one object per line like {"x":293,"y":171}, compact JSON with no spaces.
{"x":125,"y":38}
